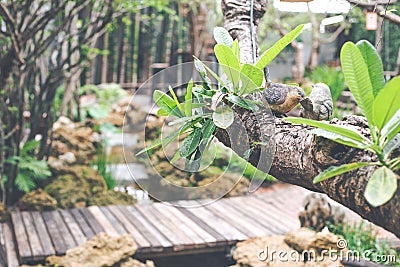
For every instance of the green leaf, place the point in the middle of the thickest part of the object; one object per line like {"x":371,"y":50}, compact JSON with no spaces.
{"x":391,"y":128}
{"x":374,"y":64}
{"x":24,"y":182}
{"x":223,"y":116}
{"x":235,"y":49}
{"x":381,"y":187}
{"x":188,"y":99}
{"x":272,"y":52}
{"x":161,"y":112}
{"x":229,"y":62}
{"x":391,"y":145}
{"x":187,"y":119}
{"x":356,"y":74}
{"x":29,"y":146}
{"x":212,"y":73}
{"x":208,"y":129}
{"x":252,"y":78}
{"x":168,"y":139}
{"x":199,"y":90}
{"x":339,"y":138}
{"x":176,"y":99}
{"x":337,"y":170}
{"x":247,"y":104}
{"x":222,"y":36}
{"x":190,"y":143}
{"x":387,"y":103}
{"x":165,"y":102}
{"x":337,"y":129}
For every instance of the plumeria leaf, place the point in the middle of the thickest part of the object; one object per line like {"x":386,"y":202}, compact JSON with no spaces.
{"x":337,"y":170}
{"x":381,"y":187}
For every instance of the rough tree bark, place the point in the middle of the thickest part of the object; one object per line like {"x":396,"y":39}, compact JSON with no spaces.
{"x":300,"y":155}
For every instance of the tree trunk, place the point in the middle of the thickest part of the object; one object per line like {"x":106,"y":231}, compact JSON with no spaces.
{"x":300,"y":155}
{"x":314,"y":57}
{"x":121,"y":62}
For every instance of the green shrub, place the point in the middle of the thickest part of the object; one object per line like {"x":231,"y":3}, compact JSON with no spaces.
{"x":30,"y":169}
{"x":361,"y":237}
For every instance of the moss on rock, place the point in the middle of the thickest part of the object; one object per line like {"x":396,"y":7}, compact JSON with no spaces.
{"x":37,"y":200}
{"x":102,"y":250}
{"x":111,"y":197}
{"x":76,"y":186}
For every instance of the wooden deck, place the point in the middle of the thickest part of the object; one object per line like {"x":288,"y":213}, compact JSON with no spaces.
{"x":159,"y":229}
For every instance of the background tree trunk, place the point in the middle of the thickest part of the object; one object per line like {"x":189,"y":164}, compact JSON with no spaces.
{"x":300,"y":155}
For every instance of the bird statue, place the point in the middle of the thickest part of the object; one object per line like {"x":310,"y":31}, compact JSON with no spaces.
{"x":318,"y":105}
{"x":282,"y":98}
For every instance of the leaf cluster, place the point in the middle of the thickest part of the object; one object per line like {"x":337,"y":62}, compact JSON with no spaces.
{"x":30,"y":169}
{"x":379,"y":101}
{"x":207,"y":106}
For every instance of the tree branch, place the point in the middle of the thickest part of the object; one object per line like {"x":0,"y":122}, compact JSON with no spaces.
{"x":377,"y":8}
{"x":300,"y":155}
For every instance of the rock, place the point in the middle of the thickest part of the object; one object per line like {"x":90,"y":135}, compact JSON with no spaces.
{"x":64,"y":122}
{"x":256,"y":252}
{"x":68,"y":158}
{"x":4,"y":214}
{"x":37,"y":200}
{"x":102,"y":250}
{"x":307,"y":239}
{"x":153,"y":127}
{"x":75,"y":138}
{"x":287,"y":250}
{"x":111,"y":197}
{"x":316,"y":212}
{"x":114,"y":118}
{"x":75,"y":185}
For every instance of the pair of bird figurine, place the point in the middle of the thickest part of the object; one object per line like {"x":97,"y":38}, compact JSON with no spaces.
{"x":283,"y":98}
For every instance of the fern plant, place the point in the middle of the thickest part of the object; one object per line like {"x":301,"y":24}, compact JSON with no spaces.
{"x":196,"y":116}
{"x":30,"y":170}
{"x":363,"y":72}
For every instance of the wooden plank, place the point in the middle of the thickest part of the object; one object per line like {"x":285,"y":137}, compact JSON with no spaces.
{"x":224,"y":207}
{"x":141,"y":225}
{"x":117,"y":225}
{"x":3,"y":259}
{"x":177,"y":240}
{"x":54,"y":232}
{"x":44,"y":236}
{"x":223,"y":227}
{"x":174,"y":220}
{"x":280,"y":208}
{"x":10,"y":248}
{"x":91,"y":220}
{"x":260,"y":216}
{"x":69,"y":240}
{"x":237,"y":223}
{"x":87,"y":231}
{"x":24,"y":249}
{"x":102,"y":220}
{"x":73,"y":227}
{"x":185,"y":220}
{"x":165,"y":218}
{"x":220,"y":239}
{"x":139,"y":238}
{"x":149,"y":227}
{"x":275,"y":213}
